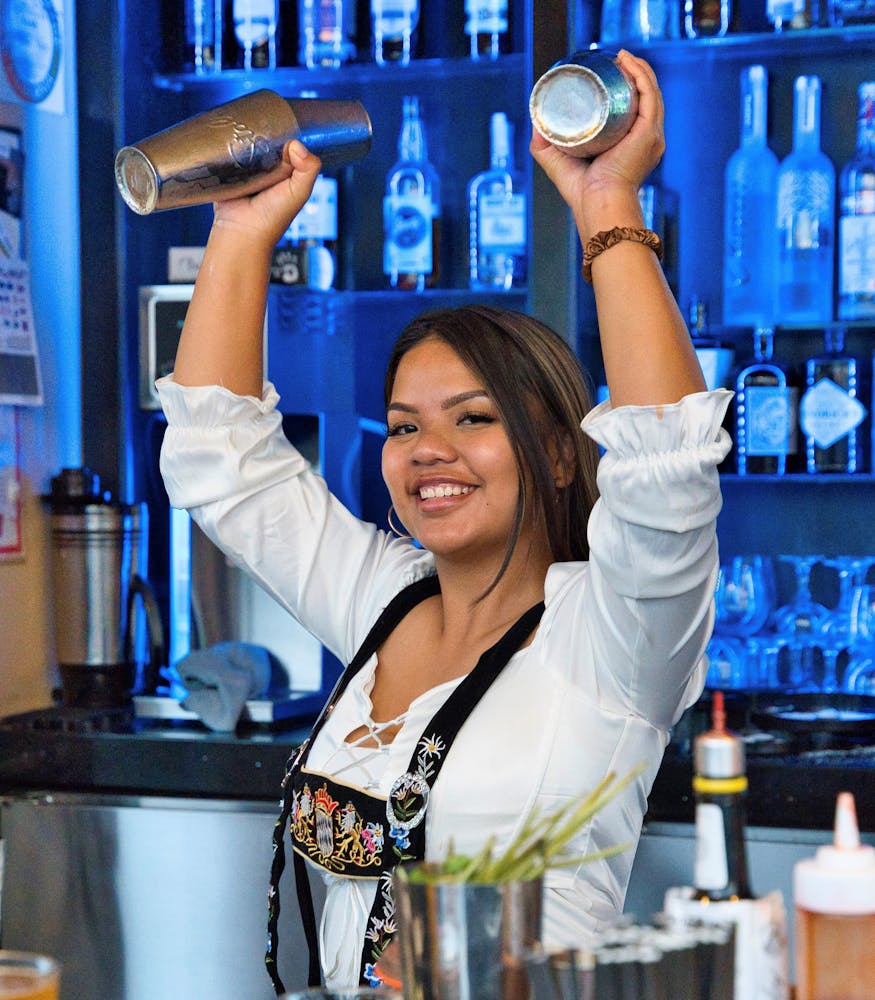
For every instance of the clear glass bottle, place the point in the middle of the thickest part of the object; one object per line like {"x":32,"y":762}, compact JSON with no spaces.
{"x":765,"y":412}
{"x":720,"y":789}
{"x":394,"y":25}
{"x":326,"y":33}
{"x":831,"y":414}
{"x":497,"y":221}
{"x":255,"y":28}
{"x":707,"y":18}
{"x":203,"y":36}
{"x":411,"y":209}
{"x":307,"y":253}
{"x":806,"y":216}
{"x":750,"y":243}
{"x":857,"y":217}
{"x":486,"y":25}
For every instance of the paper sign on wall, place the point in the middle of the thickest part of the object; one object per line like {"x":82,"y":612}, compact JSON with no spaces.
{"x":20,"y":381}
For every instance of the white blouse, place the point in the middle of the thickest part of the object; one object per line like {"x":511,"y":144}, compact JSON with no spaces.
{"x":617,"y":657}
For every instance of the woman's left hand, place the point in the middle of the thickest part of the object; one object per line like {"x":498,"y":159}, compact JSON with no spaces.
{"x":626,"y":165}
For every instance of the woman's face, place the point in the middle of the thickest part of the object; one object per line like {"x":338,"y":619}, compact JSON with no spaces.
{"x":447,"y":460}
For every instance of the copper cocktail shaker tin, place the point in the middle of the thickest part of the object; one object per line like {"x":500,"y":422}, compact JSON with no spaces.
{"x":584,"y":104}
{"x":236,"y":149}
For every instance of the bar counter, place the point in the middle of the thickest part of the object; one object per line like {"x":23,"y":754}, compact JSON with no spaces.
{"x":793,"y":783}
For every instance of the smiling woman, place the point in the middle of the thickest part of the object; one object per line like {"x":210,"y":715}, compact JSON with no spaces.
{"x":542,"y":633}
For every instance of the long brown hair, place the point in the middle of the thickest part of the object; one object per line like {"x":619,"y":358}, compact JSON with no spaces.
{"x":541,"y":394}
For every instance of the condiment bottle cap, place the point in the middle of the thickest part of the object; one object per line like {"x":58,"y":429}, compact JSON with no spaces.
{"x":840,"y":878}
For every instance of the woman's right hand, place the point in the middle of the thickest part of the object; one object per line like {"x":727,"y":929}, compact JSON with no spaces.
{"x":267,"y":214}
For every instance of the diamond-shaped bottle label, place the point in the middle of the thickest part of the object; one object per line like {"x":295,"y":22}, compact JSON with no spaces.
{"x":827,"y":413}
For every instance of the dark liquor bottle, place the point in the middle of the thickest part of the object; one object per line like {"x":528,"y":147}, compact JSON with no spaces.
{"x":720,"y":788}
{"x":857,"y":217}
{"x":765,"y":412}
{"x":831,"y":416}
{"x":707,"y":18}
{"x":411,"y":209}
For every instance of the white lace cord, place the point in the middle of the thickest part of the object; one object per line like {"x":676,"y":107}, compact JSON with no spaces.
{"x":374,"y":730}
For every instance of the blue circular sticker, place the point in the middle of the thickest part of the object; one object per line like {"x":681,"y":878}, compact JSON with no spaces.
{"x":30,"y":42}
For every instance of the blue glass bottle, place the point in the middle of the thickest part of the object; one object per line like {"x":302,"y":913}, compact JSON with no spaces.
{"x":831,"y":414}
{"x":765,"y":412}
{"x":750,"y":244}
{"x":806,"y":216}
{"x":497,"y":216}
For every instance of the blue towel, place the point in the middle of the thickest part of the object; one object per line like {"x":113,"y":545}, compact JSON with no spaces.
{"x":221,"y":679}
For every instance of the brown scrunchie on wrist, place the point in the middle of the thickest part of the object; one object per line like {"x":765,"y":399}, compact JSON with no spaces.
{"x":608,"y":238}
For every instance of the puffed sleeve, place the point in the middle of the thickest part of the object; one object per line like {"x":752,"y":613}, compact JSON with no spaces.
{"x":226,"y":459}
{"x":645,"y":609}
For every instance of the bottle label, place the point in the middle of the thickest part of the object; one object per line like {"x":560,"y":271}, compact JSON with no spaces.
{"x":712,"y":864}
{"x":503,"y":222}
{"x":408,"y":220}
{"x":317,"y":220}
{"x":827,"y":413}
{"x":857,"y":254}
{"x":771,"y":420}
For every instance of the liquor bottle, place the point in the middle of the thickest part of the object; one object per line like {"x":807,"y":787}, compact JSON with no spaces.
{"x":806,"y":216}
{"x":411,"y":209}
{"x":485,"y":25}
{"x":719,"y":789}
{"x":638,"y":21}
{"x":831,"y":415}
{"x":497,"y":216}
{"x":857,"y":217}
{"x":795,"y":15}
{"x":707,"y":18}
{"x":750,"y":242}
{"x":394,"y":24}
{"x":255,"y":28}
{"x":659,"y":205}
{"x":326,"y":33}
{"x":715,"y":357}
{"x":203,"y":36}
{"x":307,"y":253}
{"x":765,"y":412}
{"x":848,"y":12}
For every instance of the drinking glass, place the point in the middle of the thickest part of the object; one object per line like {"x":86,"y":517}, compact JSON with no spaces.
{"x":745,"y":595}
{"x":25,"y":976}
{"x":801,"y":623}
{"x":859,"y":675}
{"x":836,"y":635}
{"x":727,"y":664}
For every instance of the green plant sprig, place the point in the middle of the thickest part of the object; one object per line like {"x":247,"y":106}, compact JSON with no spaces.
{"x":540,"y":844}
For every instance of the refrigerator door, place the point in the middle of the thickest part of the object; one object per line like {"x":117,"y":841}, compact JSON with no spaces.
{"x":146,"y":897}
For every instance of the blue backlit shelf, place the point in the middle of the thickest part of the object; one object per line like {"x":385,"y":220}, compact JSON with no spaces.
{"x":299,"y":79}
{"x":796,"y":478}
{"x":826,"y":42}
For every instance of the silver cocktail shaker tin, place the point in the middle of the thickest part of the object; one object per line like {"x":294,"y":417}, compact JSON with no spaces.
{"x":584,"y":104}
{"x":236,"y":149}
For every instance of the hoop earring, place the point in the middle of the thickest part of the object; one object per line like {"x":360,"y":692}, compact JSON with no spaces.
{"x":390,"y":517}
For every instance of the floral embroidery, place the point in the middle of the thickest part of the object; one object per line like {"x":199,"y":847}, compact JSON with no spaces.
{"x":381,"y":927}
{"x":333,"y":835}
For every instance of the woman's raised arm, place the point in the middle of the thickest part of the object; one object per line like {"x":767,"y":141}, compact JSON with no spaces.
{"x":647,"y":351}
{"x":221,"y":342}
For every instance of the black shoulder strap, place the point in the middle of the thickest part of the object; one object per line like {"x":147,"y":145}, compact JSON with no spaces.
{"x":395,"y":610}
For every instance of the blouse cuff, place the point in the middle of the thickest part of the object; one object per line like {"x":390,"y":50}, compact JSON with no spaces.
{"x":692,"y":422}
{"x":211,"y":405}
{"x":659,"y":469}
